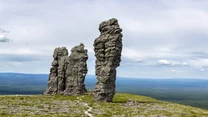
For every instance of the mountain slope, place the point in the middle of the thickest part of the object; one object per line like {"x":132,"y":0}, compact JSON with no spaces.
{"x":122,"y":105}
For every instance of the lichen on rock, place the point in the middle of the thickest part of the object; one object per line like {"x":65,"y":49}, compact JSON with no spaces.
{"x":107,"y":47}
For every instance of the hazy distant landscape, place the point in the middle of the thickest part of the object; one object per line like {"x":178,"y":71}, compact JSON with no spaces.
{"x":192,"y":92}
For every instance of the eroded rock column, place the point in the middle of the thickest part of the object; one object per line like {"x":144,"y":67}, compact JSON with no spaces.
{"x":67,"y":74}
{"x":107,"y":47}
{"x":56,"y":81}
{"x":76,"y":71}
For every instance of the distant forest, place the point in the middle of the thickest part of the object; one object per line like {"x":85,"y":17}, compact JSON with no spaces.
{"x":192,"y":92}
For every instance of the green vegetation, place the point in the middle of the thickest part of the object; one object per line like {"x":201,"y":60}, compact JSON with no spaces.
{"x":66,"y":106}
{"x":193,"y":92}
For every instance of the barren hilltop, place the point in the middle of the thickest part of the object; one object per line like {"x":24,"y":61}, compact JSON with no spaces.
{"x":123,"y":105}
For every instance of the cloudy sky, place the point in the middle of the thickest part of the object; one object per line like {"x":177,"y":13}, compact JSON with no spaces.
{"x":162,"y":38}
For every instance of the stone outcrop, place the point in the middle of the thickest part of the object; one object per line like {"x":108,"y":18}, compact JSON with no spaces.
{"x":67,"y":74}
{"x":56,"y":81}
{"x":76,"y":71}
{"x":107,"y":47}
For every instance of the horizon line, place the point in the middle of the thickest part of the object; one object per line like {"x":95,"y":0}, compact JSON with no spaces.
{"x":117,"y":76}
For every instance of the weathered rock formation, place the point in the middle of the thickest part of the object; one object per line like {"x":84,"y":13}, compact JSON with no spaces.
{"x":107,"y":47}
{"x":67,"y":74}
{"x":76,"y":71}
{"x":56,"y":81}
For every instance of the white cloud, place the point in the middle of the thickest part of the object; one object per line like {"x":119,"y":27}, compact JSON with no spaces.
{"x":199,"y":63}
{"x":173,"y":70}
{"x":179,"y":71}
{"x":172,"y":63}
{"x":139,"y":60}
{"x":4,"y":39}
{"x":2,"y":36}
{"x":202,"y":69}
{"x":131,"y":53}
{"x":184,"y":64}
{"x":164,"y":62}
{"x":22,"y":51}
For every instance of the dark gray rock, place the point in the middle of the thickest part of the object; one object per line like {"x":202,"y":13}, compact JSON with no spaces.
{"x":107,"y":47}
{"x":76,"y":71}
{"x":67,"y":74}
{"x":56,"y":82}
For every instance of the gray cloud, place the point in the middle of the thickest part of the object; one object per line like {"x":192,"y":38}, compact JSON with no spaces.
{"x":4,"y":39}
{"x":173,"y":30}
{"x":24,"y":58}
{"x":3,"y":30}
{"x":198,"y":54}
{"x":139,"y":61}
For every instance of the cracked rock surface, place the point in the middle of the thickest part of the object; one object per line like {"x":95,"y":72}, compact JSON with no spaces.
{"x":67,"y":73}
{"x":76,"y":71}
{"x":107,"y":47}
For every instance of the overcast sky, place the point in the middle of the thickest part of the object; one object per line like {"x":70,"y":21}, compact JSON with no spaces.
{"x":161,"y":38}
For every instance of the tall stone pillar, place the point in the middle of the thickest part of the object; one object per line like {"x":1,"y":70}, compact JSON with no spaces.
{"x":76,"y":71}
{"x":107,"y":47}
{"x":67,"y":74}
{"x":56,"y":81}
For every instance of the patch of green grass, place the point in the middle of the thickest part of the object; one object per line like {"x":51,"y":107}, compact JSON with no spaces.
{"x":66,"y":106}
{"x":61,"y":97}
{"x":123,"y":98}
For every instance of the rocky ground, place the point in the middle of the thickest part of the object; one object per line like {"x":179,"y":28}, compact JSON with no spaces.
{"x":123,"y":105}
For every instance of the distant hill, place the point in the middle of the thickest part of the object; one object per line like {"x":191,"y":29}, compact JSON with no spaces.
{"x":18,"y":83}
{"x":192,"y":92}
